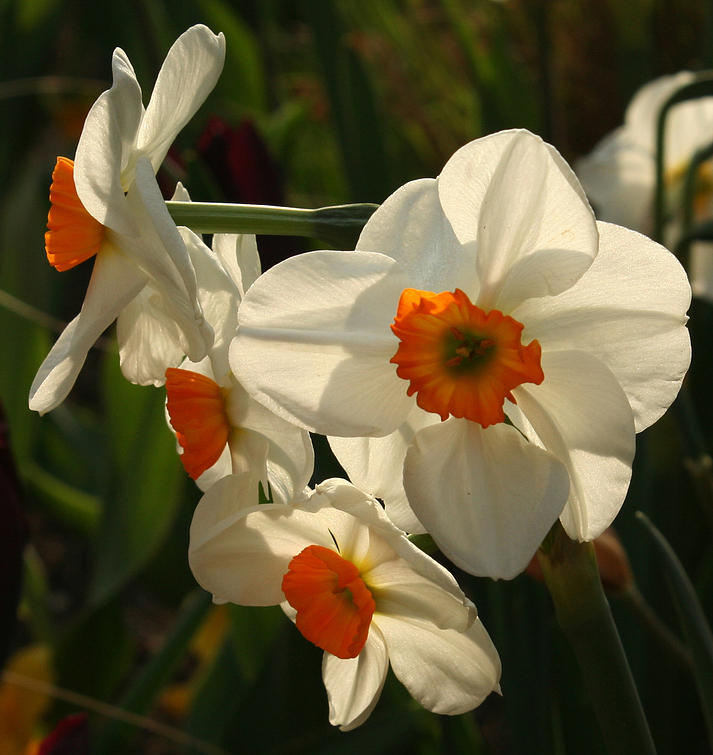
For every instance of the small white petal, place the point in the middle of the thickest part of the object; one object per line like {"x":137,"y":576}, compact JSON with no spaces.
{"x":239,"y":256}
{"x":354,"y":684}
{"x":581,"y":415}
{"x":314,"y":343}
{"x":187,"y":76}
{"x":106,"y":145}
{"x":376,"y":466}
{"x":446,"y":671}
{"x":114,"y":283}
{"x":487,"y":497}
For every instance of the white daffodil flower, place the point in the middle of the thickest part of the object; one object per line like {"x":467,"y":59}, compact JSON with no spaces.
{"x":220,"y":428}
{"x":355,"y":586}
{"x":107,"y":203}
{"x":619,"y":175}
{"x":488,"y":293}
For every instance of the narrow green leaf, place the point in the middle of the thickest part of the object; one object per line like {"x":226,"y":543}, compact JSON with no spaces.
{"x":693,"y":620}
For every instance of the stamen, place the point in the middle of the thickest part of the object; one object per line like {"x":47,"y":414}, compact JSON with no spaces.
{"x":73,"y":235}
{"x":460,"y":360}
{"x":334,"y":606}
{"x":197,"y":411}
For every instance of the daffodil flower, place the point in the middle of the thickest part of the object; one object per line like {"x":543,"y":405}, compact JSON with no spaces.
{"x":495,"y":346}
{"x":107,"y":203}
{"x":619,"y":175}
{"x":355,"y":586}
{"x":220,"y":428}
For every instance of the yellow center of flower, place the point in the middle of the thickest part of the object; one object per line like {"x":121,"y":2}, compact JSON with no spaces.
{"x":459,"y":359}
{"x":334,"y":606}
{"x":73,"y":235}
{"x":197,"y":410}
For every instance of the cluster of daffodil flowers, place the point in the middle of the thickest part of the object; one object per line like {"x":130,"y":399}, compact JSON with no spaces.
{"x":481,"y":364}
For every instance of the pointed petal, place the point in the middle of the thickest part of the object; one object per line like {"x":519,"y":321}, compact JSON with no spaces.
{"x":582,"y":417}
{"x":105,"y":146}
{"x":376,"y":466}
{"x":314,"y":343}
{"x":446,"y":671}
{"x":114,"y":283}
{"x":354,"y":685}
{"x":487,"y":497}
{"x":629,"y":311}
{"x":411,"y":227}
{"x":545,"y":212}
{"x":239,"y":256}
{"x":241,"y":552}
{"x":186,"y":78}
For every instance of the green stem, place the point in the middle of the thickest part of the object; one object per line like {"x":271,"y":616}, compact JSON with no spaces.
{"x":339,"y":226}
{"x":572,"y":577}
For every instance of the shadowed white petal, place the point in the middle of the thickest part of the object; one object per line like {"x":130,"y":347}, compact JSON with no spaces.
{"x":188,"y":74}
{"x":487,"y":497}
{"x":581,"y":415}
{"x":148,"y":338}
{"x":629,"y":311}
{"x":114,"y":283}
{"x":411,"y":227}
{"x":354,"y":684}
{"x":446,"y":671}
{"x":239,"y":256}
{"x":106,"y":145}
{"x":314,"y":343}
{"x":243,"y":556}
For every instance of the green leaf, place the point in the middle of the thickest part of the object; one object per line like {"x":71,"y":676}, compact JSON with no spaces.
{"x":147,"y":485}
{"x":693,"y":620}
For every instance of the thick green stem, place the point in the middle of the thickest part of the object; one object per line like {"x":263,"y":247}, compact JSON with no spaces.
{"x":339,"y":226}
{"x":572,"y":576}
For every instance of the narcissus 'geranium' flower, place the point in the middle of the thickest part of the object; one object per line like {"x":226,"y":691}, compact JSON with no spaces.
{"x":619,"y":175}
{"x":355,"y":586}
{"x":220,"y":428}
{"x":487,"y":294}
{"x":107,"y":203}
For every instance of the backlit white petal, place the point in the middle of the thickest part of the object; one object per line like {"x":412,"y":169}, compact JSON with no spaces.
{"x":581,"y":415}
{"x":321,"y":322}
{"x":114,"y":283}
{"x":354,"y":684}
{"x":487,"y":497}
{"x":448,"y":672}
{"x":629,"y":311}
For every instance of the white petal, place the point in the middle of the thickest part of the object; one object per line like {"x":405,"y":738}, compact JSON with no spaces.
{"x":314,"y":343}
{"x":148,"y":338}
{"x":529,"y":205}
{"x":242,"y":554}
{"x":160,"y":252}
{"x":187,"y":76}
{"x":239,"y":256}
{"x":289,"y":455}
{"x":354,"y":684}
{"x":376,"y":466}
{"x":629,"y":311}
{"x":487,"y":497}
{"x":105,"y":146}
{"x":581,"y":415}
{"x":411,"y":227}
{"x":447,"y":672}
{"x":114,"y":283}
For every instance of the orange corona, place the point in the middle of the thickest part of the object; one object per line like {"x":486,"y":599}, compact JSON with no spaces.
{"x":73,"y":235}
{"x":459,"y":359}
{"x":197,"y":411}
{"x":334,"y":606}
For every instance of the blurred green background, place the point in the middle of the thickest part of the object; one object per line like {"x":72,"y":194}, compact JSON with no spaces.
{"x":320,"y":102}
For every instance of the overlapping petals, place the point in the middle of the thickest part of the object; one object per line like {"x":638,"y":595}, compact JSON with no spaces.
{"x":119,"y":151}
{"x":507,"y":223}
{"x":422,"y":622}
